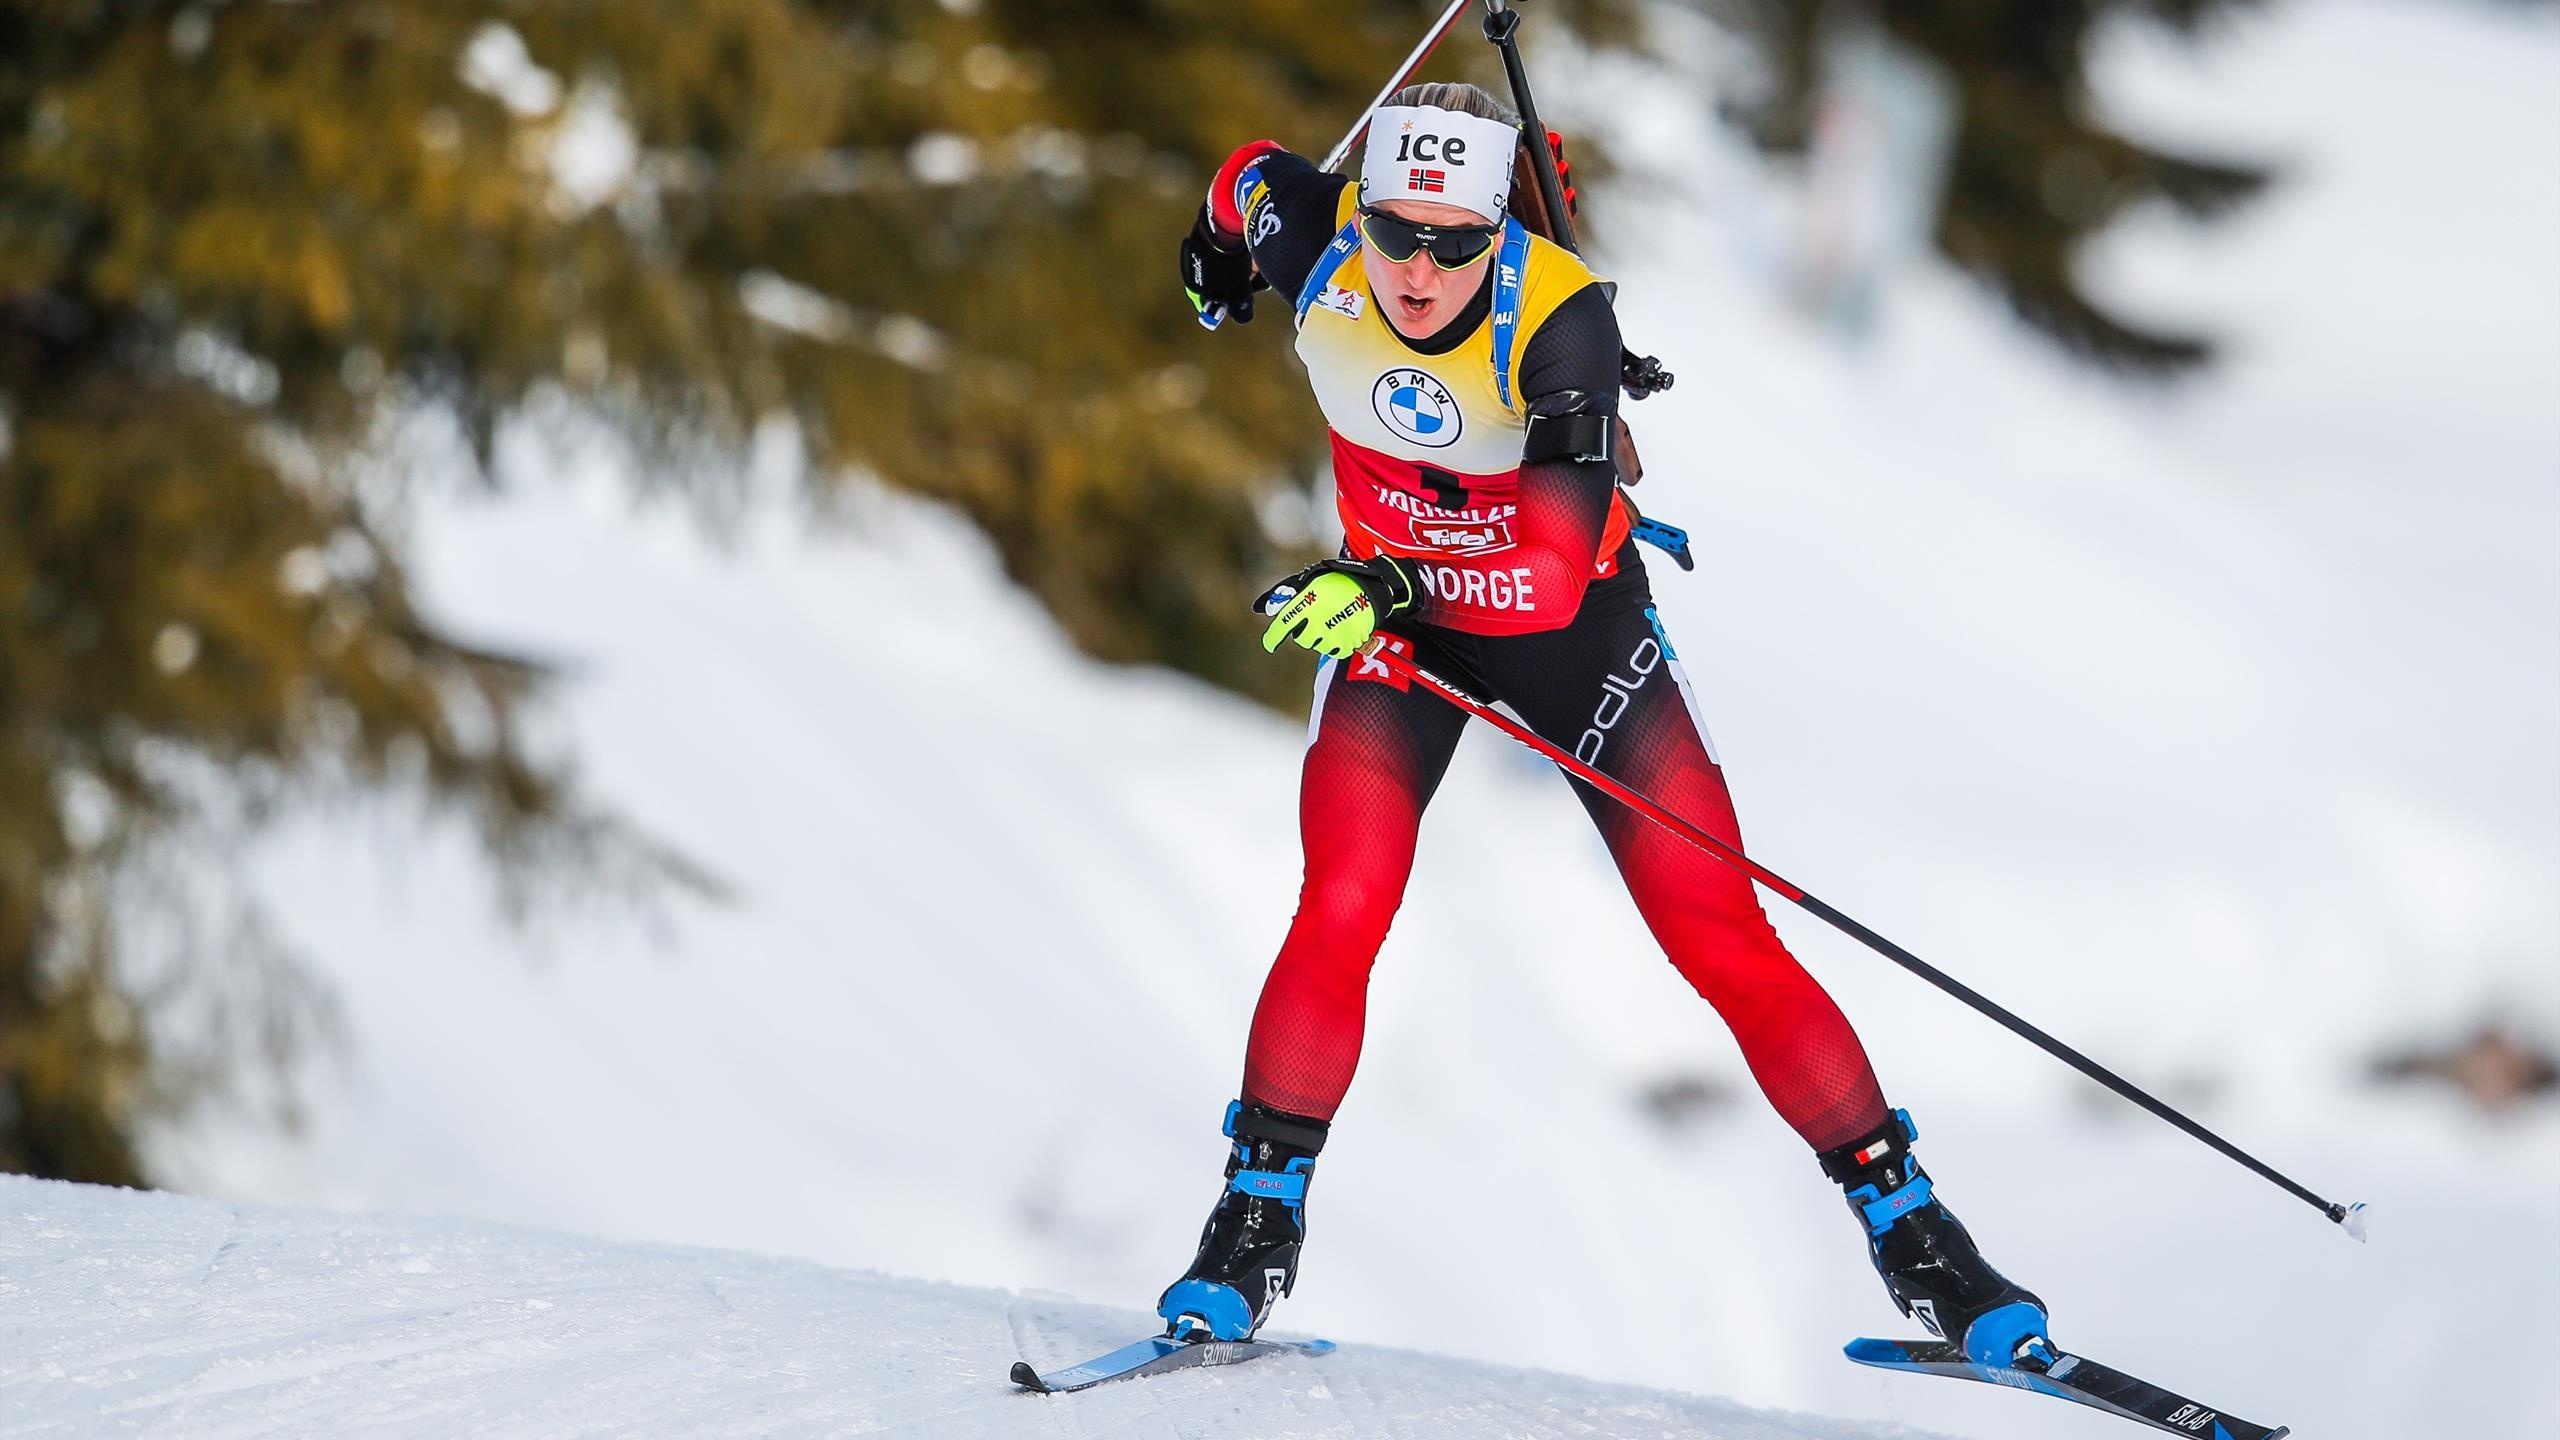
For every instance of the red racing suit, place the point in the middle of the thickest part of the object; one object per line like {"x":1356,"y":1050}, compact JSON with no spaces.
{"x":1532,"y":596}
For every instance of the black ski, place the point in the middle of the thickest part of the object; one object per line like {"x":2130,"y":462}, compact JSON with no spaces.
{"x":2068,"y":1377}
{"x":1156,"y":1355}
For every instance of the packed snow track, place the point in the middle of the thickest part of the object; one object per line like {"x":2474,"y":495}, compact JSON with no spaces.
{"x":128,"y":1313}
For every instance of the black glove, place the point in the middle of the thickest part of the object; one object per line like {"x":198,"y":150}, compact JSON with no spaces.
{"x":1213,"y":273}
{"x":1389,"y":582}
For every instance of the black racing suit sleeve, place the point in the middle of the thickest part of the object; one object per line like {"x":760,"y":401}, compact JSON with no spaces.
{"x":1577,"y":349}
{"x":1570,"y":364}
{"x":1292,"y":222}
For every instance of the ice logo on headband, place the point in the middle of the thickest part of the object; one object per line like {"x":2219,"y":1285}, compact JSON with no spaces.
{"x":1423,"y":152}
{"x":1419,"y":147}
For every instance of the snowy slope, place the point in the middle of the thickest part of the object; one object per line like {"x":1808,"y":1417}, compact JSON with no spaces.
{"x":2207,"y":731}
{"x":988,"y":1044}
{"x":133,"y":1314}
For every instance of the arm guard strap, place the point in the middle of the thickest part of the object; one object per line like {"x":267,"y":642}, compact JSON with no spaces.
{"x":1569,"y":425}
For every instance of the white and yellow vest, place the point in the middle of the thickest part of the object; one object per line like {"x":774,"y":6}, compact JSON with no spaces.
{"x":1426,"y":448}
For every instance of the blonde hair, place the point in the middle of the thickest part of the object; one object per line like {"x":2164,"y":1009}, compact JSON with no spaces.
{"x":1459,"y":96}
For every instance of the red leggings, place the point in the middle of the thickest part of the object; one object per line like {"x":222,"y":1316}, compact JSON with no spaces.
{"x":1608,"y":687}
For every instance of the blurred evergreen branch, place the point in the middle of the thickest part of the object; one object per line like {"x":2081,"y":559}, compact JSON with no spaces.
{"x":240,"y":243}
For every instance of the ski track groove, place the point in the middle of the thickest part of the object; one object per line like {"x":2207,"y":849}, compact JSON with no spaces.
{"x":222,"y":1248}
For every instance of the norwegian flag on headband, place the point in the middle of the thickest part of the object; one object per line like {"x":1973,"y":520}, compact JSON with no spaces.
{"x":1448,"y":157}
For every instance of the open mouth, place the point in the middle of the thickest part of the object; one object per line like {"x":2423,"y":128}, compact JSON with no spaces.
{"x":1413,"y":306}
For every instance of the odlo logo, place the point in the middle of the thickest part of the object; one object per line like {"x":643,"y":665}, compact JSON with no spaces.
{"x":1616,"y":692}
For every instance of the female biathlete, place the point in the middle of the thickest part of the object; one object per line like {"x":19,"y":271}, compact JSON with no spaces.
{"x":1470,"y":371}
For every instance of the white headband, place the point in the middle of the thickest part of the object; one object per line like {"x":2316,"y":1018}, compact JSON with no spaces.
{"x":1422,"y":152}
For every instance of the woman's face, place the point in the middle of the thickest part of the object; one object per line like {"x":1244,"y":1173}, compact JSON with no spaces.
{"x":1418,"y":297}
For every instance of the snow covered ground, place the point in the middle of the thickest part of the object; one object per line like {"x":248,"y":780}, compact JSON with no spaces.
{"x":132,"y":1314}
{"x":2210,"y":731}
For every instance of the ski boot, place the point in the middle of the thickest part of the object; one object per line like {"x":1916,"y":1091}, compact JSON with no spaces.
{"x":1249,"y":1249}
{"x":1928,"y":1261}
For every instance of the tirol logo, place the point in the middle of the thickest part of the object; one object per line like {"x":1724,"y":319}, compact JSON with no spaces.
{"x":1417,"y":407}
{"x":1462,"y":538}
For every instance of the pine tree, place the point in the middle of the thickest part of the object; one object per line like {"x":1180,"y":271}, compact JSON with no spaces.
{"x":2036,"y":174}
{"x":242,"y":246}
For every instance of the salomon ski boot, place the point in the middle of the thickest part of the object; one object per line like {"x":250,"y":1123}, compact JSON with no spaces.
{"x":1928,"y":1261}
{"x":1249,"y":1249}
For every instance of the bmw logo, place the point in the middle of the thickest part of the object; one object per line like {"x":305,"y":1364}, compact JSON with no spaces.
{"x":1417,"y":408}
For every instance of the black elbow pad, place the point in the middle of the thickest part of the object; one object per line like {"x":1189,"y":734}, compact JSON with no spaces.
{"x":1570,"y":425}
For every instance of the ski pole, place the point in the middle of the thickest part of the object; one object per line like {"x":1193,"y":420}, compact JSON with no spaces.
{"x":2349,"y":1217}
{"x":1501,"y":26}
{"x":1440,"y":29}
{"x":1216,"y":315}
{"x":1642,"y":375}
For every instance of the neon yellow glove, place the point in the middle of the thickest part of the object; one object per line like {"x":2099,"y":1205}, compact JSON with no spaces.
{"x":1333,"y":606}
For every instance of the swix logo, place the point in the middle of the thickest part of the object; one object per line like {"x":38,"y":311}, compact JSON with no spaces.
{"x":1616,"y":693}
{"x":1459,"y":539}
{"x":1428,"y":181}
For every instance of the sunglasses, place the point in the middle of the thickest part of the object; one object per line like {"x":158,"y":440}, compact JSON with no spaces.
{"x":1452,"y":247}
